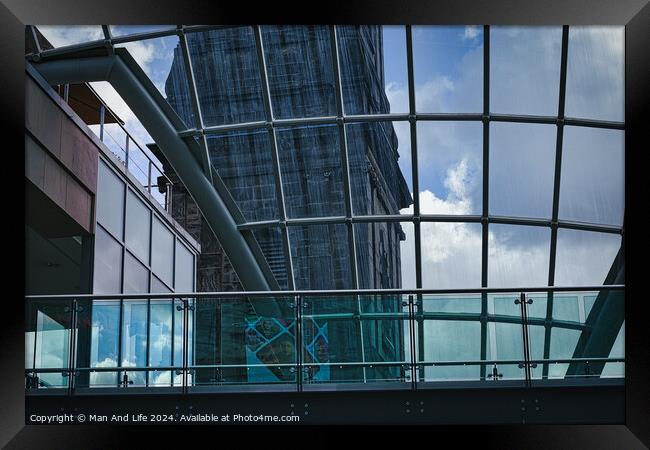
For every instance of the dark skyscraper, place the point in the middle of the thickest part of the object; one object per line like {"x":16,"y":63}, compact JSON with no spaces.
{"x":302,"y":84}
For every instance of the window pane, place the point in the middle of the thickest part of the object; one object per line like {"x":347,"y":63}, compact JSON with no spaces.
{"x":448,"y":66}
{"x":518,"y":255}
{"x":450,"y":164}
{"x":407,"y":256}
{"x":62,"y":35}
{"x":373,"y":69}
{"x":311,"y":171}
{"x":321,"y":256}
{"x":452,"y":340}
{"x":136,"y":276}
{"x":227,"y":75}
{"x":245,"y":164}
{"x":138,"y":223}
{"x":108,"y":264}
{"x":451,"y":255}
{"x":160,"y":341}
{"x":522,"y":169}
{"x":110,"y":200}
{"x":162,"y":252}
{"x":158,"y":286}
{"x":593,"y":175}
{"x":379,"y":258}
{"x":184,"y":280}
{"x":596,"y":73}
{"x":379,"y":175}
{"x":525,"y":70}
{"x":585,"y":258}
{"x":300,"y":70}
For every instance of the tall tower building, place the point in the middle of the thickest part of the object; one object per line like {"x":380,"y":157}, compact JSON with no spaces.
{"x":302,"y":84}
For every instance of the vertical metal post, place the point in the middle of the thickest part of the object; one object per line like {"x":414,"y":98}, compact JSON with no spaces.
{"x":126,"y":151}
{"x":523,"y":303}
{"x":185,"y":343}
{"x":411,"y":315}
{"x":299,"y":304}
{"x":102,"y":110}
{"x":71,"y":346}
{"x":149,"y":177}
{"x":66,"y":92}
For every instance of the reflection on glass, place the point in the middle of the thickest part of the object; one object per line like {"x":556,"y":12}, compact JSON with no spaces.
{"x":596,"y":73}
{"x":245,"y":164}
{"x":587,"y":258}
{"x":373,"y":69}
{"x":300,"y":70}
{"x":160,"y":341}
{"x":134,"y":339}
{"x":452,"y":340}
{"x":104,"y":341}
{"x":450,"y":165}
{"x":377,"y":171}
{"x":379,"y":264}
{"x":525,"y":70}
{"x":162,"y":252}
{"x":110,"y":200}
{"x":51,"y":330}
{"x":518,"y":255}
{"x":451,"y":255}
{"x":138,"y":234}
{"x":311,"y":169}
{"x":321,"y":256}
{"x":225,"y":66}
{"x":592,"y":186}
{"x":407,"y":256}
{"x":448,"y":66}
{"x":522,"y":169}
{"x":270,"y":242}
{"x":108,"y":264}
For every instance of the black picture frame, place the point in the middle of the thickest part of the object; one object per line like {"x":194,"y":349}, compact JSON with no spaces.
{"x":634,"y":14}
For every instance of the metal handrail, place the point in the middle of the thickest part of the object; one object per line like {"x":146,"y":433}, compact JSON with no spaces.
{"x":328,"y":293}
{"x":297,"y":299}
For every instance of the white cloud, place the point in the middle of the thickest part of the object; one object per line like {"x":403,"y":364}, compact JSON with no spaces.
{"x":104,"y":378}
{"x":62,"y":35}
{"x":471,"y":32}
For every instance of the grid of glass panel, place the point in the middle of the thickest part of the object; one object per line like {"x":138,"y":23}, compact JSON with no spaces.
{"x":507,"y":146}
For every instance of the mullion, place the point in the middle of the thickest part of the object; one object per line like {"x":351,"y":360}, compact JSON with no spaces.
{"x":486,"y":174}
{"x":417,"y":230}
{"x":277,"y":173}
{"x":343,"y":148}
{"x":556,"y":196}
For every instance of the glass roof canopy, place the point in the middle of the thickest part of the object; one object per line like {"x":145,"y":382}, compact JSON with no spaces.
{"x":510,"y":140}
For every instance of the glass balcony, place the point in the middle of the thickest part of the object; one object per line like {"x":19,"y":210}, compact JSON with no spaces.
{"x":301,"y":340}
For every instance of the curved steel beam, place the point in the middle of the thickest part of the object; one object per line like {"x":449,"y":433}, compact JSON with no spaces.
{"x":160,"y":125}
